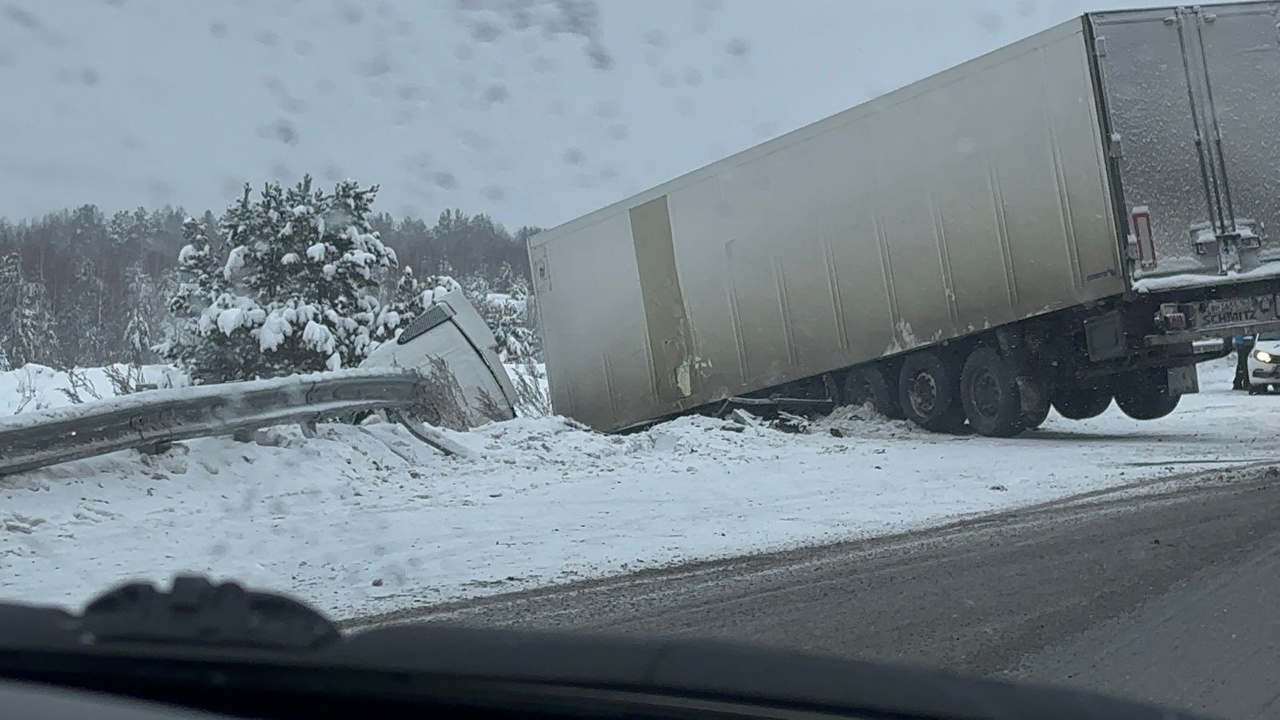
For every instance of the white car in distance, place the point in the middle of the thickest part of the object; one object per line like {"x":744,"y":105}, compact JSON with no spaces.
{"x":1264,"y":364}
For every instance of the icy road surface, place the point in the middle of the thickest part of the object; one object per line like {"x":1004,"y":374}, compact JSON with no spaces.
{"x":367,"y":520}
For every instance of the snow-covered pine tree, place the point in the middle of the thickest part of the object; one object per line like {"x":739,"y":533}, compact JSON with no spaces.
{"x":164,"y":325}
{"x":477,"y":289}
{"x":10,"y":294}
{"x":26,"y":318}
{"x":411,"y":297}
{"x":405,"y":304}
{"x":439,"y":284}
{"x":514,"y":321}
{"x":30,"y":326}
{"x":516,"y":342}
{"x":301,"y":274}
{"x":200,"y":345}
{"x":505,"y":317}
{"x":344,"y":266}
{"x":137,"y":329}
{"x":320,"y":300}
{"x":83,"y":317}
{"x":232,"y":325}
{"x":128,"y":234}
{"x":506,"y":278}
{"x":530,"y":344}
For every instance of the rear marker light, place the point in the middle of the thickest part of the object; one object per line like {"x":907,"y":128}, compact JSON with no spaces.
{"x":1140,"y":218}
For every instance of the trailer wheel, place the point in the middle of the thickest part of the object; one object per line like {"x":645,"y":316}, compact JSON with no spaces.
{"x":989,"y":394}
{"x":870,"y":384}
{"x":1082,"y":403}
{"x":929,"y":391}
{"x":1144,"y":394}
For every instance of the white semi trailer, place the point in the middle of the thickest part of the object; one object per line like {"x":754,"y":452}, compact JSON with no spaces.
{"x":1059,"y":221}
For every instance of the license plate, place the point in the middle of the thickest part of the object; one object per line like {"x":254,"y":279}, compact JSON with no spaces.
{"x":1236,"y":311}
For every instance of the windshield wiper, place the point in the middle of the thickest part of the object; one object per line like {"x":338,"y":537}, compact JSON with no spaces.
{"x":198,"y":613}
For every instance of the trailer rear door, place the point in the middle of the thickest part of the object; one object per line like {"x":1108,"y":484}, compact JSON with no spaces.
{"x":1192,"y":103}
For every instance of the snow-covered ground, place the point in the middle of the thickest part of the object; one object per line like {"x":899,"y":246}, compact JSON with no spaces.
{"x":37,"y":387}
{"x":366,"y":519}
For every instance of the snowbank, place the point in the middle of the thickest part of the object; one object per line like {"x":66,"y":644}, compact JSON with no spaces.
{"x":362,"y":520}
{"x":37,"y":387}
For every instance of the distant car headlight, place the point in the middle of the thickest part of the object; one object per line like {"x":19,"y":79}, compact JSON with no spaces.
{"x":1263,"y":356}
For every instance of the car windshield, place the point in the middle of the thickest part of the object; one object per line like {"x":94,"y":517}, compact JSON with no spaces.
{"x":913,"y":331}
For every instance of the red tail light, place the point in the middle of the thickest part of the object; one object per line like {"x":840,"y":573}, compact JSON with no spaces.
{"x":1141,"y":219}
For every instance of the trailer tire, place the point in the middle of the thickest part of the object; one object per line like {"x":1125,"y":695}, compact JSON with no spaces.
{"x":1144,"y":394}
{"x":929,"y":392}
{"x":870,"y":384}
{"x":989,"y":394}
{"x":1082,"y":403}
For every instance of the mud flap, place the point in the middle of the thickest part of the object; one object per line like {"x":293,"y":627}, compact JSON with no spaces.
{"x":1184,"y":380}
{"x":1032,"y":393}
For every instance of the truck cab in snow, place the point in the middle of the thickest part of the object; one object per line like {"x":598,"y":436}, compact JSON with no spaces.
{"x":451,"y":344}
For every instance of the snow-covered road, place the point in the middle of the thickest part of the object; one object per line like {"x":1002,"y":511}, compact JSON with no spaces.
{"x":364,"y":520}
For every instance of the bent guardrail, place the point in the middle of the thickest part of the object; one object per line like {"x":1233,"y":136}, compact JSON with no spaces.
{"x":444,"y":369}
{"x":48,"y":437}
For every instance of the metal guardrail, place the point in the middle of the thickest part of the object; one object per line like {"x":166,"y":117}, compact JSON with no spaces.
{"x":155,"y":417}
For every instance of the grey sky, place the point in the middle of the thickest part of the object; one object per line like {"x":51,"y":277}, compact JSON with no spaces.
{"x":445,"y":102}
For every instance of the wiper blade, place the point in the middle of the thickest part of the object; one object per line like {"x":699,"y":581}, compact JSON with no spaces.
{"x":198,"y":613}
{"x":195,"y":613}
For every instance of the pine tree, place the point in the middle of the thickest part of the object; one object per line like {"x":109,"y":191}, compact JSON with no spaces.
{"x":516,"y":342}
{"x":11,"y":280}
{"x":407,"y":302}
{"x":411,"y":298}
{"x":81,"y":326}
{"x":321,"y":302}
{"x":439,"y":284}
{"x":519,"y":288}
{"x":26,"y":317}
{"x":506,"y":278}
{"x":204,"y":343}
{"x":299,"y":284}
{"x":343,"y":264}
{"x":128,"y":234}
{"x":520,"y":324}
{"x":504,"y":314}
{"x":164,"y":324}
{"x":137,"y":331}
{"x":477,"y":289}
{"x":10,"y":297}
{"x":30,"y":326}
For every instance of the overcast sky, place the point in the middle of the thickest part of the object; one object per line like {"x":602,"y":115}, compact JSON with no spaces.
{"x":533,"y":111}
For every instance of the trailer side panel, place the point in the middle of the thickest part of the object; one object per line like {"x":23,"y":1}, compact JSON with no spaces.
{"x":968,"y":200}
